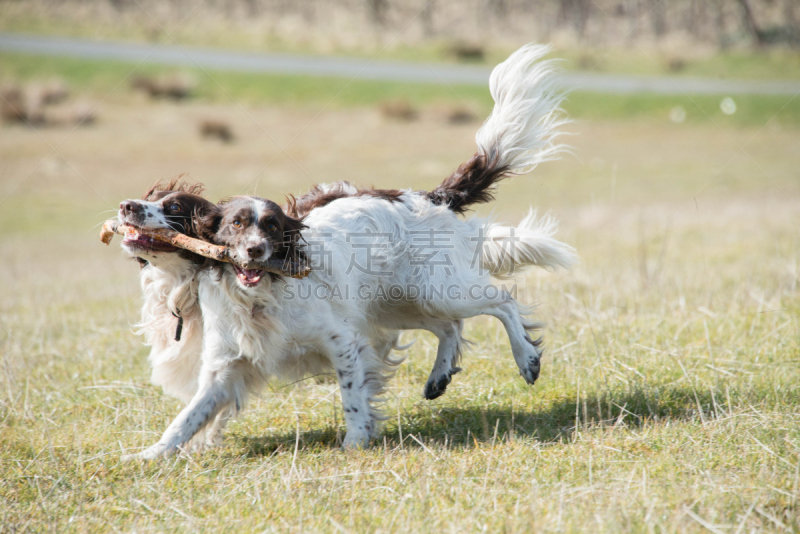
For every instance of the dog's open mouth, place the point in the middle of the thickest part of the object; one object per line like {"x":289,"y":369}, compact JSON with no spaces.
{"x":139,"y":241}
{"x":248,"y":277}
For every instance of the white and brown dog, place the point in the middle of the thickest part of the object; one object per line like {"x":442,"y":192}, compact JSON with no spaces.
{"x":171,"y":322}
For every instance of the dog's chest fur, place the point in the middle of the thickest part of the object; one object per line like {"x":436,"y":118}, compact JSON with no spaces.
{"x":247,"y":322}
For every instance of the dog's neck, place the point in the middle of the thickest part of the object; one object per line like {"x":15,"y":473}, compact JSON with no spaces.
{"x":170,"y":304}
{"x":251,"y":316}
{"x":170,"y":284}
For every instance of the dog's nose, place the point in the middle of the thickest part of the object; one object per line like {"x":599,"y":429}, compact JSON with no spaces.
{"x":129,"y":207}
{"x":256,"y":251}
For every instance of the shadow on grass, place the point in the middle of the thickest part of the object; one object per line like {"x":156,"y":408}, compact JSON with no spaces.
{"x":466,"y":427}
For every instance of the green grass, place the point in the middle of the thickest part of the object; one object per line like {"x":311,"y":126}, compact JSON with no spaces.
{"x":100,"y":78}
{"x":667,"y":401}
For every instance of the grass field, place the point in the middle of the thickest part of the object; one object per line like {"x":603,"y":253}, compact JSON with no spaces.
{"x":669,"y":392}
{"x":99,"y":79}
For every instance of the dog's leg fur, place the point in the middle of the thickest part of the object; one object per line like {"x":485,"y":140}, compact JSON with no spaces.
{"x":447,"y":356}
{"x":448,"y":331}
{"x":527,"y":352}
{"x":385,"y":343}
{"x":215,"y":393}
{"x":349,"y":353}
{"x":212,"y":434}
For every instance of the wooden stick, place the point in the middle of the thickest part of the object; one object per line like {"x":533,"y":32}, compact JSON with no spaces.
{"x":202,"y":248}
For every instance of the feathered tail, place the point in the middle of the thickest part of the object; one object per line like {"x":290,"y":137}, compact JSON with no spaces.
{"x":508,"y":250}
{"x":520,"y":133}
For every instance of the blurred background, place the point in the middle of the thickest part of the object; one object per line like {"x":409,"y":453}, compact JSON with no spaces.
{"x":673,"y":101}
{"x":693,"y":27}
{"x":101,"y":97}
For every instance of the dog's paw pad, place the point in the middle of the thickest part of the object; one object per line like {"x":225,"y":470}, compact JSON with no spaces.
{"x":531,"y":372}
{"x":436,"y":388}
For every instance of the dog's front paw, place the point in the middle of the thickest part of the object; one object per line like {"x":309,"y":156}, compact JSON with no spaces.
{"x":436,"y":387}
{"x":150,"y":453}
{"x":214,"y":440}
{"x":355,"y":441}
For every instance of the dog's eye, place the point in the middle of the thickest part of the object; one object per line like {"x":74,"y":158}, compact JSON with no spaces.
{"x":175,"y":207}
{"x":237,"y":224}
{"x":271,"y":227}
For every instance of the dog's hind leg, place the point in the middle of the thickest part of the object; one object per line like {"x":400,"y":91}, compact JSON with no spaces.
{"x":385,"y":342}
{"x":527,"y":352}
{"x":447,"y":356}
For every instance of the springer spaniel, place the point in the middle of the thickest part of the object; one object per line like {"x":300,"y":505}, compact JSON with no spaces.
{"x":256,"y":326}
{"x":171,"y":322}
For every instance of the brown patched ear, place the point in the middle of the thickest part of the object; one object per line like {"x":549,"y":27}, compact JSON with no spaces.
{"x":206,"y":222}
{"x":199,"y":221}
{"x":291,"y":206}
{"x":293,"y":245}
{"x":176,"y":184}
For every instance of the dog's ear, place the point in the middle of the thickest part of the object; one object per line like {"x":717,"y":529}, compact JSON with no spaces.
{"x":178,"y":184}
{"x":293,"y":246}
{"x":206,"y":222}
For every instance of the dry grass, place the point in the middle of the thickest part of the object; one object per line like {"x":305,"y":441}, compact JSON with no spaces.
{"x":667,"y":402}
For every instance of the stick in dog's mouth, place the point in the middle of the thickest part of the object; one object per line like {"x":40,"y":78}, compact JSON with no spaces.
{"x":202,"y":248}
{"x":134,"y":238}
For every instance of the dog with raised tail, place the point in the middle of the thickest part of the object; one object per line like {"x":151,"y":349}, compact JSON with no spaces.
{"x":258,"y":325}
{"x":521,"y":132}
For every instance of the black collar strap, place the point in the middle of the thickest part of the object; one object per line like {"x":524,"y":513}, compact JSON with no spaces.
{"x":179,"y":329}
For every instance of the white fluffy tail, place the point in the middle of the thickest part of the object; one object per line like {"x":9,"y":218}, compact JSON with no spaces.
{"x":509,"y":251}
{"x":521,"y":132}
